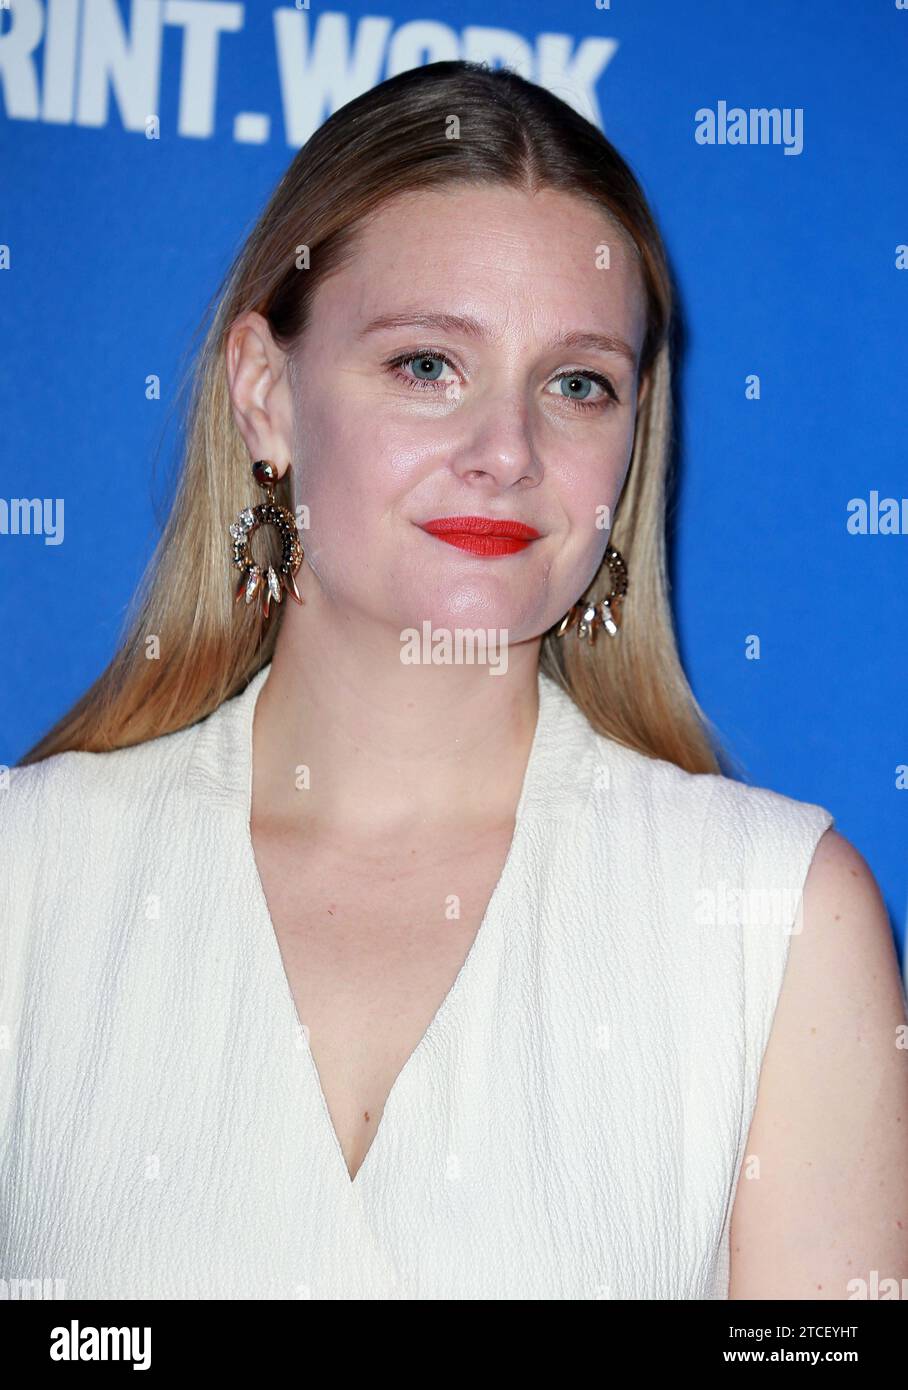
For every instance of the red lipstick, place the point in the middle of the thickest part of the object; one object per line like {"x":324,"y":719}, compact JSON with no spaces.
{"x":482,"y":535}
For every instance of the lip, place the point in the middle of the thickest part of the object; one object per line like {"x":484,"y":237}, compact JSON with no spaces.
{"x":482,"y":535}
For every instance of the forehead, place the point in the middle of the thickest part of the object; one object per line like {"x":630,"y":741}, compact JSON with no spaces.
{"x":529,"y":262}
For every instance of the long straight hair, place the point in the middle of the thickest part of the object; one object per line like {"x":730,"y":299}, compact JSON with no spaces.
{"x":441,"y":124}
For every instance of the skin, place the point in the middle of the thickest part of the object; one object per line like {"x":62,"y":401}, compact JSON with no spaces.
{"x":830,"y":1129}
{"x":372,"y":456}
{"x":394,"y":748}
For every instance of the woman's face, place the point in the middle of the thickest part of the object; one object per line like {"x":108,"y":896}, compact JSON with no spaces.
{"x":405,"y":413}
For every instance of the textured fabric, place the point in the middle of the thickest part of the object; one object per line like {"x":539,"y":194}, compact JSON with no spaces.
{"x":571,"y":1125}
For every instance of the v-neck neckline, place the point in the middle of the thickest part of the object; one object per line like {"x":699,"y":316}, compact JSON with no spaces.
{"x":264,"y":930}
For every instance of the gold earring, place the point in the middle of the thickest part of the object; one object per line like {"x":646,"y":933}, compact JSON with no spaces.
{"x":268,"y":582}
{"x":591,"y":616}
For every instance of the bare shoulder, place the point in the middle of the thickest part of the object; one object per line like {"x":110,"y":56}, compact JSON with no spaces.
{"x":822,"y":1202}
{"x":838,"y":869}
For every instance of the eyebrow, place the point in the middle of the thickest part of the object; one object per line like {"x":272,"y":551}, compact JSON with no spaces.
{"x":472,"y":328}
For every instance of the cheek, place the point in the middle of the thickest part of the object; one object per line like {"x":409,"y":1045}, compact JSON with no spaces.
{"x":353,"y":468}
{"x":589,"y":495}
{"x":333,"y":457}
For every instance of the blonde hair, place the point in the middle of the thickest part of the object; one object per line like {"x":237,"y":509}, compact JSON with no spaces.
{"x":395,"y":138}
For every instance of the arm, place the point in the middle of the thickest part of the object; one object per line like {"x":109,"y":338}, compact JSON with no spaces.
{"x":830,"y":1126}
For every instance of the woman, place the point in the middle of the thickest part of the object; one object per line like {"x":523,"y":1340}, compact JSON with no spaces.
{"x":346,"y":961}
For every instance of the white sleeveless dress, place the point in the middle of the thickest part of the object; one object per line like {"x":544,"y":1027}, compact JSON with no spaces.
{"x":571,"y":1125}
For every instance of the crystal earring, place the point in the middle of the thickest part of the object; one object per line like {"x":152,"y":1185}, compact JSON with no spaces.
{"x":267,"y":582}
{"x":590,"y":616}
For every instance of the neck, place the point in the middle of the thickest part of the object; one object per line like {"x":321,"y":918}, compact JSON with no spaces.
{"x":388,"y":746}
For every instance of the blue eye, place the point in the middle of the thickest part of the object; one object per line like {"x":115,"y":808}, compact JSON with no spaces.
{"x":420,"y":361}
{"x":428,"y":376}
{"x":576,"y":380}
{"x":586,"y":380}
{"x":419,"y":364}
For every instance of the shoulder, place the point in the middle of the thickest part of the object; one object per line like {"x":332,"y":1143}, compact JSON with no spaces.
{"x":727,"y":812}
{"x":846,"y":944}
{"x":841,"y":883}
{"x":846,"y":941}
{"x":843,"y":963}
{"x":76,"y":831}
{"x":37,"y":797}
{"x":829,"y":1131}
{"x":70,"y":791}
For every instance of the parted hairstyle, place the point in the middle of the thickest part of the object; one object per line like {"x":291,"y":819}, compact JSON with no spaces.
{"x":394,"y":139}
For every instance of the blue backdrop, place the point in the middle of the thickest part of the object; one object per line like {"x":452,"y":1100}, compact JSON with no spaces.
{"x":787,"y":233}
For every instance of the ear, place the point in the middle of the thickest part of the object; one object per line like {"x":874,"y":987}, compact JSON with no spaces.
{"x":258,"y":382}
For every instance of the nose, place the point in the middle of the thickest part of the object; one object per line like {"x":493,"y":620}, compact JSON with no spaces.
{"x":496,"y":443}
